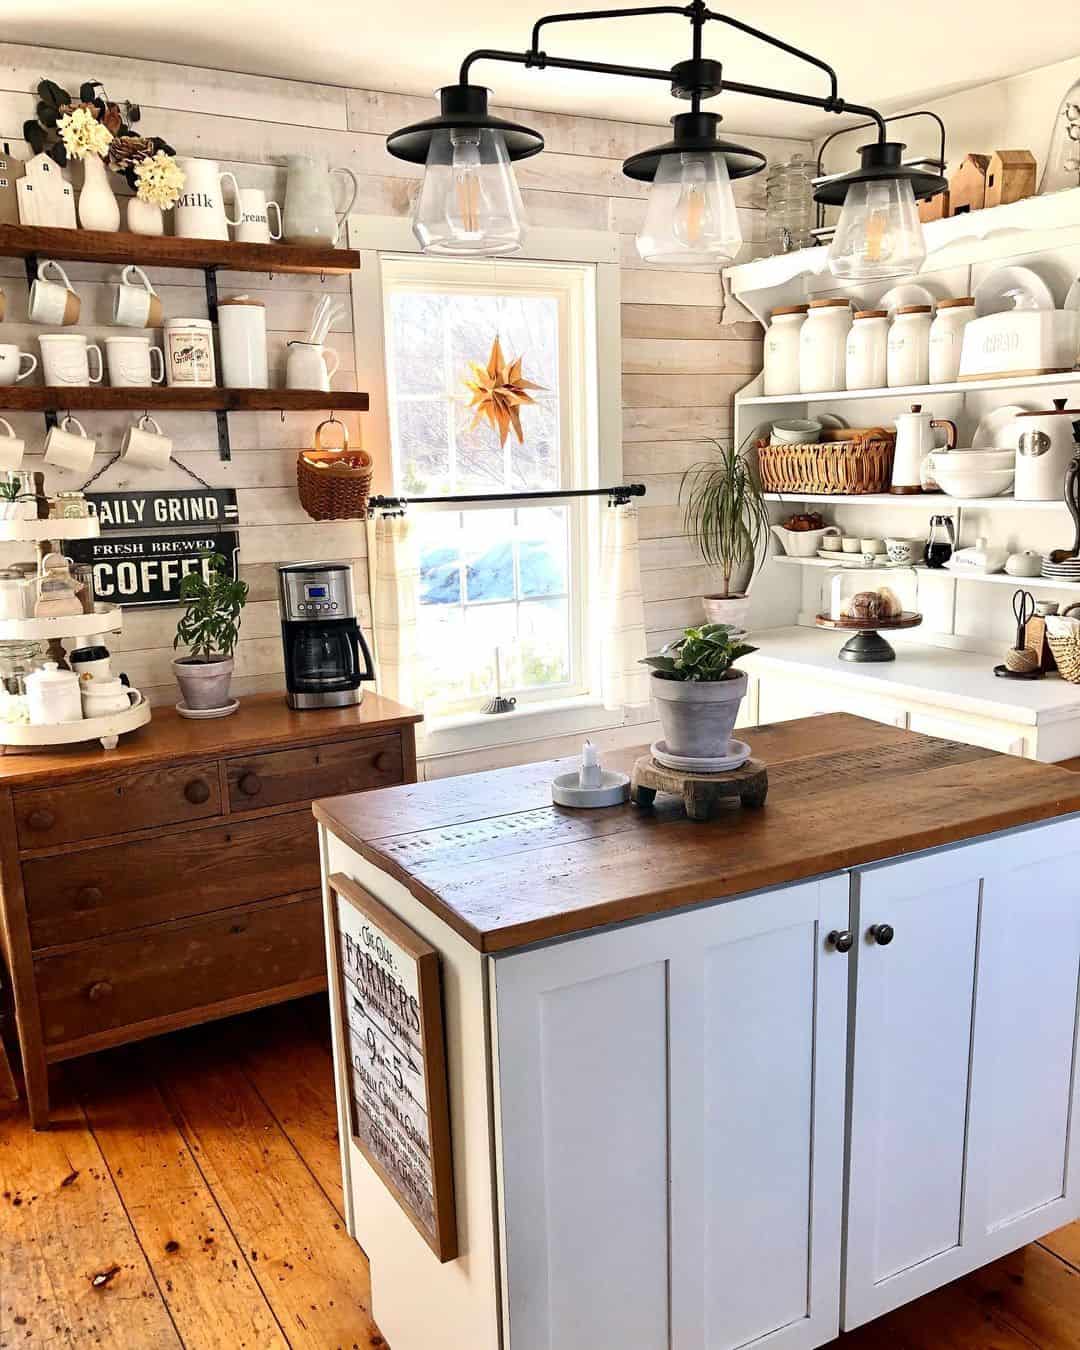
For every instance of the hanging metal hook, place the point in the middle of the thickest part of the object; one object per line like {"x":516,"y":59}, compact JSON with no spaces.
{"x":322,"y":277}
{"x":282,"y":411}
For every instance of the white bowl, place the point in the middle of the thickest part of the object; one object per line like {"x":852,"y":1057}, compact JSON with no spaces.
{"x":978,"y":459}
{"x":962,"y":482}
{"x":796,"y":431}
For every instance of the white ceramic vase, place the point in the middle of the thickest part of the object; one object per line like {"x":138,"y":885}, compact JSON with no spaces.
{"x":144,"y":217}
{"x":98,"y":208}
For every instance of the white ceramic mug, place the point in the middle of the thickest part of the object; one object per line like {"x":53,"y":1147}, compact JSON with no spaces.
{"x":65,"y":358}
{"x":53,"y":301}
{"x":66,"y":449}
{"x":143,"y":448}
{"x":132,"y":360}
{"x":310,"y":366}
{"x":12,"y":447}
{"x":254,"y":211}
{"x":136,"y":306}
{"x":11,"y":360}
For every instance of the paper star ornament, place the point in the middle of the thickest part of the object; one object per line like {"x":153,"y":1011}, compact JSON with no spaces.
{"x":499,"y":391}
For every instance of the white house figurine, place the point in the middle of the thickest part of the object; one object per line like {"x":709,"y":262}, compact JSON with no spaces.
{"x":45,"y":195}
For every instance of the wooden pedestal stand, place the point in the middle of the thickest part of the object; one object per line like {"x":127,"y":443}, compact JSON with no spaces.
{"x":701,"y":792}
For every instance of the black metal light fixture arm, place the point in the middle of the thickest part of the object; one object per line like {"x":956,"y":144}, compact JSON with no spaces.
{"x":540,"y":61}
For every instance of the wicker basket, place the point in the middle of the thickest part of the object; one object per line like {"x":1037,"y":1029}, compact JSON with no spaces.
{"x":843,"y":461}
{"x":1067,"y":655}
{"x":334,"y":484}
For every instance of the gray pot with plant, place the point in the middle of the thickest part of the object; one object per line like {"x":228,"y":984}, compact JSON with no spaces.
{"x":208,"y":628}
{"x":697,"y":690}
{"x":727,"y":517}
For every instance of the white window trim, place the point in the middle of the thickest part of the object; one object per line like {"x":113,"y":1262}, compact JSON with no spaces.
{"x":374,"y":235}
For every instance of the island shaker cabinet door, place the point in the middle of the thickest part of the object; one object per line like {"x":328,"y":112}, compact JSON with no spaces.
{"x":670,"y":1147}
{"x":967,"y":965}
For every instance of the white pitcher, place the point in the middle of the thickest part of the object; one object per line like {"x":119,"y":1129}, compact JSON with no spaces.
{"x":309,"y":207}
{"x":200,"y":208}
{"x":914,"y":441}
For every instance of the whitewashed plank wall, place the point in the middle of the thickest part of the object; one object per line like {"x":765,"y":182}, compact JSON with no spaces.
{"x":681,"y":362}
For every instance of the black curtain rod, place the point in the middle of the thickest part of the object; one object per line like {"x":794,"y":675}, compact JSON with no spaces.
{"x":621,"y":495}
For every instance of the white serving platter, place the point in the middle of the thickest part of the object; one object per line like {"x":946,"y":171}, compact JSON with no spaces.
{"x":22,"y":736}
{"x":105,"y":619}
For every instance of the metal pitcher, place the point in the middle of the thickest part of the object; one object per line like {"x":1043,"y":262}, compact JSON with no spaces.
{"x":309,"y":206}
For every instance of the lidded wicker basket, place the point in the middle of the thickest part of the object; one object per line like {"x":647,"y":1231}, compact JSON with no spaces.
{"x":845,"y":460}
{"x":334,"y":484}
{"x":1067,"y":655}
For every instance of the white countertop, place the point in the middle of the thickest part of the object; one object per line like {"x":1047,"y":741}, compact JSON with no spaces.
{"x":939,"y":675}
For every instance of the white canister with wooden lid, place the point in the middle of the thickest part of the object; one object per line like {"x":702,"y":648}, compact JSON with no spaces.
{"x":823,"y":346}
{"x":242,"y":335}
{"x":780,"y":374}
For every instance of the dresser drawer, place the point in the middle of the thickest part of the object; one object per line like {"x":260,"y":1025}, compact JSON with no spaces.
{"x":115,"y":887}
{"x":169,"y":970}
{"x":282,"y":776}
{"x":117,"y":801}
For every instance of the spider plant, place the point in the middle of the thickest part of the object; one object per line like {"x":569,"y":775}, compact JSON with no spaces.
{"x":725,"y":513}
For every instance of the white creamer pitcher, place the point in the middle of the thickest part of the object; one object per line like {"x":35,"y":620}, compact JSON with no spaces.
{"x":309,"y":206}
{"x":200,"y":208}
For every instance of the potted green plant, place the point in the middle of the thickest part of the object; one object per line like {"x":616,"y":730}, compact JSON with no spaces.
{"x":697,"y":690}
{"x":13,"y":500}
{"x":208,"y":627}
{"x":727,"y":517}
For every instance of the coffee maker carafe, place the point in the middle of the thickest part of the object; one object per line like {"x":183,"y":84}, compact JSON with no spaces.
{"x":326,"y":657}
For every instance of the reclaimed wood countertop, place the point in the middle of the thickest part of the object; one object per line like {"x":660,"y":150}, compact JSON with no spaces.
{"x":491,"y":855}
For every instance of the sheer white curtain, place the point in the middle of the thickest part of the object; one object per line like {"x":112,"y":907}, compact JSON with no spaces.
{"x":394,"y":585}
{"x":625,"y":683}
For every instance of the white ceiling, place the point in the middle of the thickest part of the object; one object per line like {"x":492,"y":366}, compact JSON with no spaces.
{"x":892,"y":55}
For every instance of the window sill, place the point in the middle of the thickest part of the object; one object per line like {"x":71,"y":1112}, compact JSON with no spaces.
{"x":532,"y":722}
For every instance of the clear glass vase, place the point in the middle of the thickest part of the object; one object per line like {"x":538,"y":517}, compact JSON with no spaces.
{"x":789,"y":206}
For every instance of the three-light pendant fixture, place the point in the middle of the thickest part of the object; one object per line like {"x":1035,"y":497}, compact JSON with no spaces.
{"x":469,"y":203}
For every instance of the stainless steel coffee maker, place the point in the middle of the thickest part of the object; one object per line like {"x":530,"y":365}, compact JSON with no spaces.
{"x":324,"y":646}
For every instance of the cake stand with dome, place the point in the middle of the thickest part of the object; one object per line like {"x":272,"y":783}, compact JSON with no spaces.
{"x":866,"y":609}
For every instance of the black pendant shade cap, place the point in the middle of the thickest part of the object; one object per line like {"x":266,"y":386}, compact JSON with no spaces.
{"x":695,"y":132}
{"x":881,"y":160}
{"x":462,"y":106}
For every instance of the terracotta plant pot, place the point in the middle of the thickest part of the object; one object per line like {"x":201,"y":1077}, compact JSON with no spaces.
{"x":204,"y":684}
{"x":698,"y":716}
{"x":729,"y":609}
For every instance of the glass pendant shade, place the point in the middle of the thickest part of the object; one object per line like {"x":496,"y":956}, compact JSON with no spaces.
{"x":879,"y":233}
{"x":469,"y":203}
{"x":691,"y":216}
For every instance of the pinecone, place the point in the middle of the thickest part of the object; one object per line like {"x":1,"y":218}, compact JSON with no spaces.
{"x":127,"y":151}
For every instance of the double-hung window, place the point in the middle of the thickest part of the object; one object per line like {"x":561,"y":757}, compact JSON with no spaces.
{"x":505,"y":586}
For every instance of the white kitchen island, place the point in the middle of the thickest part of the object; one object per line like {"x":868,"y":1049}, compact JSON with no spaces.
{"x":739,"y":1083}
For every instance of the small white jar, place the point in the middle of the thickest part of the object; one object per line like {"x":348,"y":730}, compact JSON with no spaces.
{"x":823,"y":346}
{"x":908,"y":359}
{"x":242,"y":335}
{"x":867,"y":349}
{"x":947,"y":338}
{"x":52,"y":696}
{"x":780,"y":374}
{"x":189,"y":353}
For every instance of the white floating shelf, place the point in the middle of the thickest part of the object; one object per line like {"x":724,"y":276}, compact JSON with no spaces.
{"x":995,"y":578}
{"x":105,"y":619}
{"x":927,"y":500}
{"x":35,"y":531}
{"x":914,"y":391}
{"x":22,"y":736}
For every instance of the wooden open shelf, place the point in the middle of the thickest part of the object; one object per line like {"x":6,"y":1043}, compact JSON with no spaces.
{"x":162,"y":398}
{"x":25,"y":241}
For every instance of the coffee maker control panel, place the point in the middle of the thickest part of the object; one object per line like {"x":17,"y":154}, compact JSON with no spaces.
{"x":310,"y":594}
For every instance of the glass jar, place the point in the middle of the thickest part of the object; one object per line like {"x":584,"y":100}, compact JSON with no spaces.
{"x":83,"y":574}
{"x":17,"y":660}
{"x":908,"y":359}
{"x":947,"y":338}
{"x":781,"y":354}
{"x":70,"y":505}
{"x":867,"y":347}
{"x":823,"y":346}
{"x":942,"y":541}
{"x":789,"y":206}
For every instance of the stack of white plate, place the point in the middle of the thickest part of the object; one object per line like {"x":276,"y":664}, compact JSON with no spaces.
{"x":1069,"y":570}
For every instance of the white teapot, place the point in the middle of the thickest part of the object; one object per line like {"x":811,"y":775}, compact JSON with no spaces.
{"x":914,"y":441}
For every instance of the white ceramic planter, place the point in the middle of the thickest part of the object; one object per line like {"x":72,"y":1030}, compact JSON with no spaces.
{"x":731,"y":609}
{"x":204,"y":684}
{"x":698,"y":716}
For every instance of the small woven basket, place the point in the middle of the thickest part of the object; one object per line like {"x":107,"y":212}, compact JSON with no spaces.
{"x":334,"y":484}
{"x":843,"y":461}
{"x":1067,"y":655}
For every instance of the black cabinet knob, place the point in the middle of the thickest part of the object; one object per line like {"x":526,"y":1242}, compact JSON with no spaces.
{"x":882,"y":933}
{"x":197,"y":791}
{"x":841,"y":939}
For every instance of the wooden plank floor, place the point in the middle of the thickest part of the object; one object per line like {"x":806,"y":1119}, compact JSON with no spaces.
{"x":189,"y":1196}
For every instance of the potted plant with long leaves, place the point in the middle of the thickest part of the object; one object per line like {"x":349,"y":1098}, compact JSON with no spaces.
{"x":727,"y":516}
{"x":698,"y":691}
{"x":208,"y":627}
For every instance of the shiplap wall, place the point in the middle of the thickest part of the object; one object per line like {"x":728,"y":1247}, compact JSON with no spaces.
{"x":682,"y":356}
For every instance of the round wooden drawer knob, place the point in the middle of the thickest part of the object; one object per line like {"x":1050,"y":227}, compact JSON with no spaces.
{"x":197,"y":791}
{"x":96,"y":992}
{"x":90,"y":896}
{"x":381,"y":761}
{"x":250,"y":785}
{"x":41,"y":819}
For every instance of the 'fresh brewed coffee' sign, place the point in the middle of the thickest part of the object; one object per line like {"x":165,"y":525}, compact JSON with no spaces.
{"x":147,"y":569}
{"x":181,"y":508}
